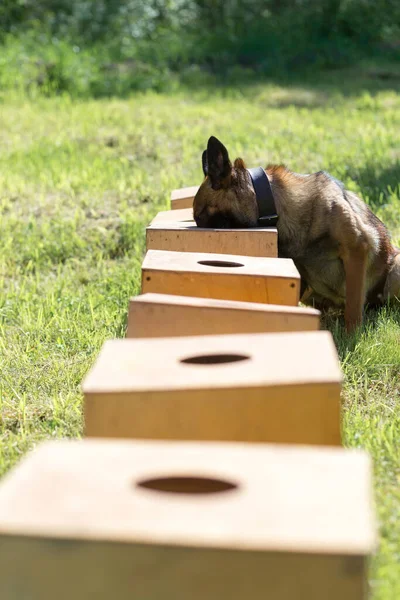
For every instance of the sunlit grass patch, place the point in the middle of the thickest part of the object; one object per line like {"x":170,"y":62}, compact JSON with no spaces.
{"x":80,"y":180}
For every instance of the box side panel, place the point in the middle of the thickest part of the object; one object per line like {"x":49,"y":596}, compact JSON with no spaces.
{"x":34,"y":569}
{"x":168,"y":320}
{"x":178,"y":203}
{"x":248,"y":288}
{"x":248,"y":243}
{"x":302,"y":414}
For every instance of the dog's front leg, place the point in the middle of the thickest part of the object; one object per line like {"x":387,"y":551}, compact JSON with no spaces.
{"x":355,"y":266}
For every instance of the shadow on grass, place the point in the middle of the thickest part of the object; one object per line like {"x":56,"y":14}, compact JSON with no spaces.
{"x":305,"y":88}
{"x":377,"y":182}
{"x":333,"y":321}
{"x":351,"y":81}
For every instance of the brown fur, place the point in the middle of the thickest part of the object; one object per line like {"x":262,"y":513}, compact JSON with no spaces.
{"x":342,"y":250}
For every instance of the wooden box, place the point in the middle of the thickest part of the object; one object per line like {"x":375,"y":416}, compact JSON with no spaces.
{"x":224,"y":276}
{"x":156,"y":520}
{"x":163,"y":315}
{"x":185,"y":236}
{"x":183,"y":198}
{"x":167,"y":216}
{"x":276,"y":387}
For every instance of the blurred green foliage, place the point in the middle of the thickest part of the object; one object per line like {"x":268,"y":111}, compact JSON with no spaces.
{"x":102,"y":47}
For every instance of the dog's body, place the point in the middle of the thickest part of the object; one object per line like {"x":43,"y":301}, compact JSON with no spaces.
{"x":340,"y":248}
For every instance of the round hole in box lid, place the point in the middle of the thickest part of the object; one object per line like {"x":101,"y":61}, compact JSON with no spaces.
{"x":214,"y":359}
{"x":219,"y":263}
{"x":184,"y":484}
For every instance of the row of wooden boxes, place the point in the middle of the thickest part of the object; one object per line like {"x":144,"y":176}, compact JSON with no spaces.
{"x":212,"y":466}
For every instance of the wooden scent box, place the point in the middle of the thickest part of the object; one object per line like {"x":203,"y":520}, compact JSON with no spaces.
{"x":155,"y":520}
{"x":183,"y":198}
{"x":163,"y":315}
{"x":181,"y":214}
{"x":224,"y":276}
{"x":185,"y":236}
{"x":273,"y":387}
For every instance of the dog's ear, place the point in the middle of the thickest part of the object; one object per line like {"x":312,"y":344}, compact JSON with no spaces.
{"x":239,"y":163}
{"x":204,"y":163}
{"x":219,"y":166}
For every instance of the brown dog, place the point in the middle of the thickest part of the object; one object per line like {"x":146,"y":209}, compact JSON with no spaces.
{"x":341,"y":249}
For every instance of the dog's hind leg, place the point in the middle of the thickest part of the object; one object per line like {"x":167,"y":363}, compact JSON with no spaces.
{"x":355,"y":266}
{"x":305,"y":290}
{"x":392,"y":284}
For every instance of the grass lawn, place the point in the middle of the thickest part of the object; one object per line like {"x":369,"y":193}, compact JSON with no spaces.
{"x":80,"y":180}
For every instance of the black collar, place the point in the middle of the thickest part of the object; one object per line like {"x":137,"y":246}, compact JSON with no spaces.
{"x":265,"y":199}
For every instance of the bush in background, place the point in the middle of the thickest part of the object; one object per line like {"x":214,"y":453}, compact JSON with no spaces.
{"x":103,"y":47}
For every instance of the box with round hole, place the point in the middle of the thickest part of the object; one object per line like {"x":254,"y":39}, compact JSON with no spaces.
{"x":223,"y":276}
{"x":185,"y":236}
{"x":183,"y":197}
{"x":277,"y":387}
{"x":134,"y":520}
{"x":167,"y":315}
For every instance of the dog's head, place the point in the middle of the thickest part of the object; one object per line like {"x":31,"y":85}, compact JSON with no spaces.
{"x":226,"y":198}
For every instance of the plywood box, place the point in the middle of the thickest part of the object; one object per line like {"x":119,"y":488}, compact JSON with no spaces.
{"x":183,"y":198}
{"x":155,"y":520}
{"x":223,"y":276}
{"x":277,"y":387}
{"x":181,"y":214}
{"x":163,"y":315}
{"x":185,"y":236}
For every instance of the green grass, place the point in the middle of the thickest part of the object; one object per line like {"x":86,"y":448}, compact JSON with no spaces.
{"x":80,"y":180}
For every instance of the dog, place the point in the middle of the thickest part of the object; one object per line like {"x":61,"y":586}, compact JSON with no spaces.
{"x":342,"y":251}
